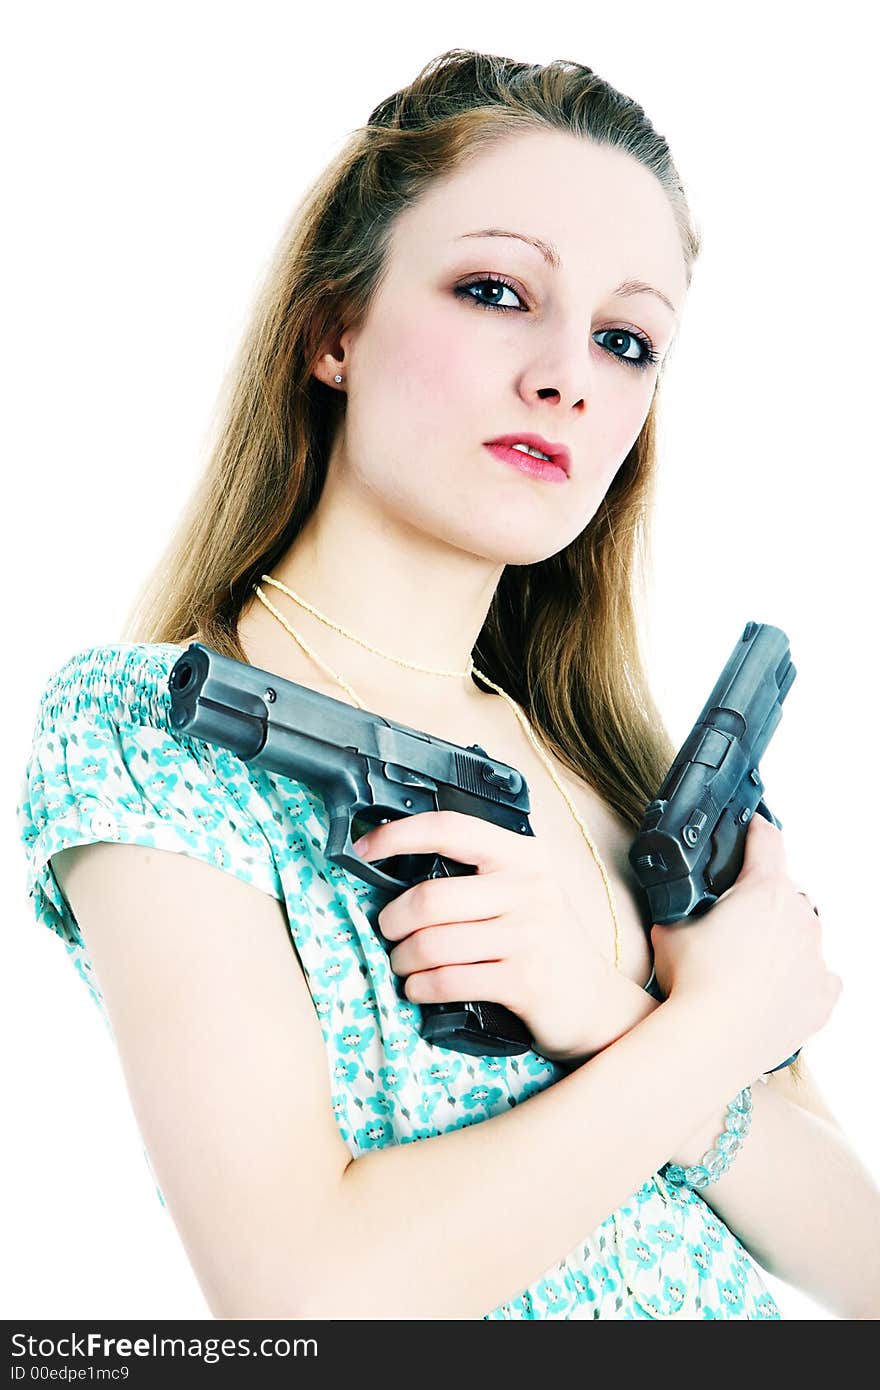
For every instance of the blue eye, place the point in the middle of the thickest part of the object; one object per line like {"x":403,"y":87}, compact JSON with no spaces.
{"x":648,"y":358}
{"x":497,"y":281}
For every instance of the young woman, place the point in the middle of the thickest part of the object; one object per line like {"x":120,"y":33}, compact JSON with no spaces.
{"x":503,"y":252}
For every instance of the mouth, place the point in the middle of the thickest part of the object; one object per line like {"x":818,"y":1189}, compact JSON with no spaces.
{"x":516,"y":448}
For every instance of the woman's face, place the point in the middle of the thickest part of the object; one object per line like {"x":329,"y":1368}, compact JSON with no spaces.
{"x":435,"y":370}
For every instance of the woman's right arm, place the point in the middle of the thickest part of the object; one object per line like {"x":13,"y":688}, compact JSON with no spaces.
{"x":227,"y":1071}
{"x":452,"y":1226}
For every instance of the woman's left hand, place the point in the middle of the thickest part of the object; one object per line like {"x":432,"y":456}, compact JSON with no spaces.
{"x":505,"y":934}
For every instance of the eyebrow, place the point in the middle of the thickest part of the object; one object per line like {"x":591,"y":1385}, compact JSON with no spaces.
{"x":551,"y":256}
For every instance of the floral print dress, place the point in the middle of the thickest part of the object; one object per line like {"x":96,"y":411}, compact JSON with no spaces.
{"x":105,"y":765}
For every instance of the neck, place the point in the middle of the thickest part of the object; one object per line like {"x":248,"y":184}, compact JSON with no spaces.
{"x":414,"y":600}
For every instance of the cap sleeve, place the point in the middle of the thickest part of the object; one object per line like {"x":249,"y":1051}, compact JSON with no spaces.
{"x":105,"y":764}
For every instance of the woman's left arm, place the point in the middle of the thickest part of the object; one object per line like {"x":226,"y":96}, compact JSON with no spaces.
{"x":798,"y":1197}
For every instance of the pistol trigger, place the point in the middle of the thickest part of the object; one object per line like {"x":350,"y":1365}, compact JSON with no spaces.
{"x":439,"y":868}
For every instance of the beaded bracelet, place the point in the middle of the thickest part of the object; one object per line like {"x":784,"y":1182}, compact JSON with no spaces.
{"x":715,"y":1162}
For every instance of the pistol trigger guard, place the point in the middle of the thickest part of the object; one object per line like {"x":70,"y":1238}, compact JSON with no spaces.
{"x":339,"y":838}
{"x":340,"y":851}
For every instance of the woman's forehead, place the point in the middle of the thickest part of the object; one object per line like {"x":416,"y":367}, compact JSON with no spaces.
{"x":564,"y":199}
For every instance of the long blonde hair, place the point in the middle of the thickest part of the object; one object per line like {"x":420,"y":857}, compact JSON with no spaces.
{"x":561,"y":635}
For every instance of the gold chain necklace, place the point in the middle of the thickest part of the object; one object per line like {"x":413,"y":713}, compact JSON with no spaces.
{"x":693,"y":1285}
{"x":456,"y":675}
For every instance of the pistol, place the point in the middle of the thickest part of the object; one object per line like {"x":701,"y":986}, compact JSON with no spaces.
{"x":690,"y":846}
{"x":367,"y":771}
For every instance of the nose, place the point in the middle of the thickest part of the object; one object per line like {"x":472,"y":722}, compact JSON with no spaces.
{"x":568,"y":366}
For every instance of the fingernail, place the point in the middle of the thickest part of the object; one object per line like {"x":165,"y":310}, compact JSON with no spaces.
{"x":361,"y":844}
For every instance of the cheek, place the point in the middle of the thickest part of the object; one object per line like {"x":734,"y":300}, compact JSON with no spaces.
{"x":623,"y":414}
{"x":428,"y":367}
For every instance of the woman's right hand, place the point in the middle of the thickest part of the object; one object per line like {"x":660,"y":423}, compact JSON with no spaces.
{"x":752,"y":964}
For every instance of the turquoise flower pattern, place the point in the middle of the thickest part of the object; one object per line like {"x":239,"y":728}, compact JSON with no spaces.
{"x":105,"y":764}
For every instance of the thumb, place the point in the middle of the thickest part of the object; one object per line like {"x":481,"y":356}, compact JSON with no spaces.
{"x":764,"y":849}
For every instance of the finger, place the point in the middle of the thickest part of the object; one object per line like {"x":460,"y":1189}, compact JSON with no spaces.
{"x":454,"y":943}
{"x":765,"y":847}
{"x":455,"y":983}
{"x":455,"y":835}
{"x":670,"y":927}
{"x":471,"y":898}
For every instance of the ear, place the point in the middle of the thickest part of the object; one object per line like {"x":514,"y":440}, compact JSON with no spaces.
{"x":333,"y":358}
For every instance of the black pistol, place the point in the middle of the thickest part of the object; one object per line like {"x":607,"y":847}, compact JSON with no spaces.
{"x":691,"y":843}
{"x":368,"y":770}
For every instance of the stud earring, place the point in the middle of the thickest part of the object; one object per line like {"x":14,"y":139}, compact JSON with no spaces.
{"x":337,"y":377}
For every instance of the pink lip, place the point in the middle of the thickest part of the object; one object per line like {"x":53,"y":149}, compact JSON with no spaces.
{"x":536,"y":468}
{"x":558,"y":452}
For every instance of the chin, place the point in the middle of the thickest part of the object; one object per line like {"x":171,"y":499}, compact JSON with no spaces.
{"x":514,"y":550}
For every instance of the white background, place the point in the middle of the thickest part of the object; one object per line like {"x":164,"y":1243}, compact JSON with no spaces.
{"x":156,"y":152}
